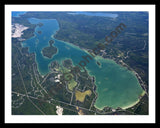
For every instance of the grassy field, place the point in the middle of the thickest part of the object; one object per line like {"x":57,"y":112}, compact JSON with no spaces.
{"x":72,"y":84}
{"x":80,"y":96}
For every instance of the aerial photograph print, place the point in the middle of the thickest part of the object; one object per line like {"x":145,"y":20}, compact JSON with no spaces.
{"x":79,"y":63}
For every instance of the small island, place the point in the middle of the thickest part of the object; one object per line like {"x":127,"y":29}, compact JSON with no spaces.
{"x":98,"y":63}
{"x":49,"y":51}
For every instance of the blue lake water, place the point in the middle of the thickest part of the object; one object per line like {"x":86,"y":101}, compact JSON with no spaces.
{"x":116,"y":86}
{"x":102,"y":14}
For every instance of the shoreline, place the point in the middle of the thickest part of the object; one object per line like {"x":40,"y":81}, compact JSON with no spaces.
{"x":125,"y":107}
{"x":131,"y":105}
{"x":139,"y":99}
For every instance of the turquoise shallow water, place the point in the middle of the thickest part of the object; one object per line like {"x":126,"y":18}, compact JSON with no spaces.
{"x":116,"y":86}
